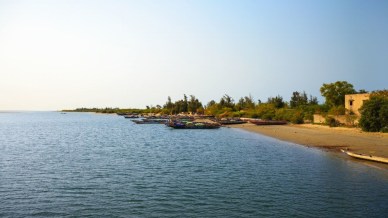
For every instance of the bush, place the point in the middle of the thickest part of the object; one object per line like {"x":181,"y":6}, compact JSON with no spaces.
{"x":308,"y":116}
{"x":337,"y":110}
{"x":267,"y":116}
{"x":297,"y":117}
{"x":226,"y":114}
{"x":266,"y":111}
{"x":254,"y":115}
{"x":374,"y":114}
{"x":350,"y":119}
{"x":384,"y":129}
{"x":332,"y":122}
{"x":283,"y":114}
{"x":238,"y":114}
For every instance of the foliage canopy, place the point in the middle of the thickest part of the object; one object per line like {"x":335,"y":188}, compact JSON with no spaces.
{"x":374,"y":114}
{"x":334,"y":93}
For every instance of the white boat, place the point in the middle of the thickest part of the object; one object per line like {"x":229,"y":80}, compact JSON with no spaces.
{"x":366,"y":157}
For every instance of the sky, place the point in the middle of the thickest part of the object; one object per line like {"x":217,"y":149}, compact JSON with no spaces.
{"x":92,"y":53}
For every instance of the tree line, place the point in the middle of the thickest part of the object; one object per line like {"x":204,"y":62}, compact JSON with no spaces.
{"x":300,"y":108}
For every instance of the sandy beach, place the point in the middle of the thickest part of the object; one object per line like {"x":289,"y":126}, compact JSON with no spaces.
{"x":333,"y":139}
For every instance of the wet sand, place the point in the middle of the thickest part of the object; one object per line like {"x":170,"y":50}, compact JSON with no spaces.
{"x":334,"y":139}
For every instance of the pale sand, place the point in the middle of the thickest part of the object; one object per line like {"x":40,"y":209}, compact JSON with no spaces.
{"x":337,"y":138}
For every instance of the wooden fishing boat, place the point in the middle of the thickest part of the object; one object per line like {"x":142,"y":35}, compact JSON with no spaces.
{"x":184,"y":124}
{"x":195,"y":126}
{"x":150,"y":121}
{"x":128,"y":115}
{"x":268,"y":122}
{"x":131,"y":116}
{"x":366,"y":157}
{"x":231,"y":121}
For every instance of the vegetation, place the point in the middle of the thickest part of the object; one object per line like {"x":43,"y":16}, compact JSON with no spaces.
{"x":332,"y":122}
{"x":300,"y":99}
{"x":334,"y":93}
{"x":274,"y":109}
{"x":300,"y":108}
{"x":374,"y":112}
{"x":181,"y":106}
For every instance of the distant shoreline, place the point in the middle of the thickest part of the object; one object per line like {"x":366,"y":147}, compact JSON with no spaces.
{"x":324,"y":137}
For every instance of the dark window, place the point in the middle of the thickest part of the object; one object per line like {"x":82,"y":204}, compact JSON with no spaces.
{"x":351,"y":102}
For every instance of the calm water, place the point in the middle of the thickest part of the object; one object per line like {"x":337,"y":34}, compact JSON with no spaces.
{"x":81,"y":164}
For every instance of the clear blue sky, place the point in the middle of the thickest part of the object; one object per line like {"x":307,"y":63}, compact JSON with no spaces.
{"x":68,"y":54}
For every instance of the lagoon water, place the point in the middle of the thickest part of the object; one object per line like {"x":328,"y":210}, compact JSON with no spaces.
{"x":81,"y":164}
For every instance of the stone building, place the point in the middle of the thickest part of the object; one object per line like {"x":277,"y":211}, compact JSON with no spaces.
{"x":354,"y":102}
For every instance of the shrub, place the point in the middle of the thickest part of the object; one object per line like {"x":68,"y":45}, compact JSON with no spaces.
{"x":384,"y":129}
{"x":337,"y":110}
{"x":297,"y":117}
{"x":266,"y":111}
{"x":254,"y":115}
{"x":282,"y":114}
{"x":350,"y":119}
{"x":332,"y":122}
{"x":374,"y":114}
{"x":238,"y":114}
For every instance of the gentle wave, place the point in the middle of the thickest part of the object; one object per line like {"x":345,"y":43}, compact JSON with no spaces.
{"x":55,"y":165}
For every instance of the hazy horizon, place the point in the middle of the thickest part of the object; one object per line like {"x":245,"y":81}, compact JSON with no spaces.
{"x":68,"y":54}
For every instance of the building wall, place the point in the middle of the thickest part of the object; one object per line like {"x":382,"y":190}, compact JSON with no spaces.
{"x":319,"y":119}
{"x":347,"y":120}
{"x":352,"y":103}
{"x":355,"y":101}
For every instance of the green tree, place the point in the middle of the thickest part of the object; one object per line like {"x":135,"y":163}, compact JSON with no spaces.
{"x":276,"y":101}
{"x":313,"y":100}
{"x":212,"y":108}
{"x":374,"y":114}
{"x":178,"y":106}
{"x":194,"y":104}
{"x":240,"y":104}
{"x":169,"y":105}
{"x":334,"y":93}
{"x":227,"y":101}
{"x":211,"y":103}
{"x":249,"y":102}
{"x":266,"y":111}
{"x":337,"y":110}
{"x":185,"y":104}
{"x":298,"y":99}
{"x":245,"y":103}
{"x":380,"y":93}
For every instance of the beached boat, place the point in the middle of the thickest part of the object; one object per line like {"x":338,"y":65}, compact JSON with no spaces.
{"x":231,"y":121}
{"x":150,"y":121}
{"x":366,"y":157}
{"x":268,"y":122}
{"x":131,"y":116}
{"x":184,"y":124}
{"x":194,"y":125}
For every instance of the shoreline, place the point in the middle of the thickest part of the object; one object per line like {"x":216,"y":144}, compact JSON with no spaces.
{"x":327,"y":138}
